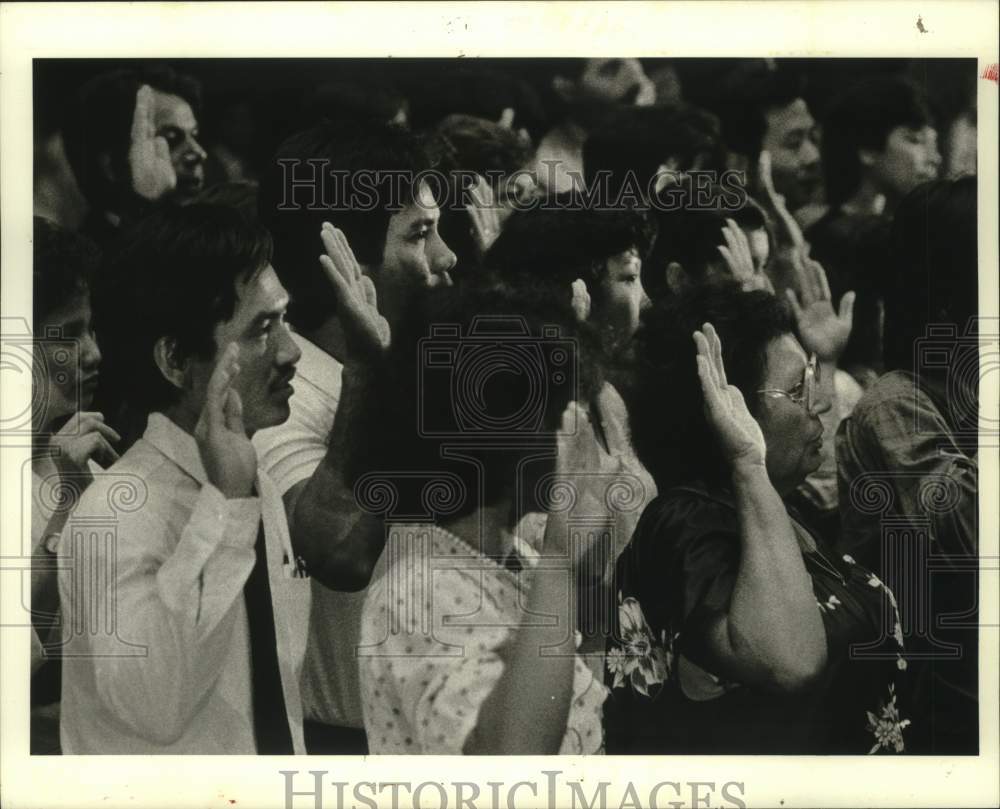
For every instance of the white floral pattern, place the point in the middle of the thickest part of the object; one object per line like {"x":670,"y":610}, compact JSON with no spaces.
{"x":887,"y":727}
{"x":639,"y":659}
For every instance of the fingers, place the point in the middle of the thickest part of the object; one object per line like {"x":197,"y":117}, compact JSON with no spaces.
{"x":141,"y":124}
{"x":103,"y":452}
{"x":846,"y":310}
{"x":233,"y":412}
{"x":218,"y":386}
{"x":340,"y":254}
{"x":706,"y":367}
{"x":764,"y":172}
{"x":507,"y":118}
{"x":581,"y":300}
{"x":821,"y":281}
{"x":716,"y":345}
{"x":793,"y":299}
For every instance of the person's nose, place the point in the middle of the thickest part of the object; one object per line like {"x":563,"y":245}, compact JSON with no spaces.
{"x":288,"y":352}
{"x":442,"y":258}
{"x":90,"y":354}
{"x":193,"y":153}
{"x":810,"y":153}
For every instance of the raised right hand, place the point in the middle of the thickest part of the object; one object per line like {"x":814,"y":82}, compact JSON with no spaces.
{"x":738,"y":434}
{"x":229,"y":458}
{"x":365,"y":329}
{"x":153,"y":174}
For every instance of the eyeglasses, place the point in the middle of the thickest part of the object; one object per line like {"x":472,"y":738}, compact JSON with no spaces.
{"x":802,"y":394}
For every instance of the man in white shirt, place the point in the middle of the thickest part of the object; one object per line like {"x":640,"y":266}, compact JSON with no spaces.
{"x":185,"y":606}
{"x":398,"y":249}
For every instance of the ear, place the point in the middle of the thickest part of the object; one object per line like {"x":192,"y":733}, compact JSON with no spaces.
{"x":676,"y":278}
{"x":165,"y":357}
{"x":564,"y":88}
{"x":867,"y":157}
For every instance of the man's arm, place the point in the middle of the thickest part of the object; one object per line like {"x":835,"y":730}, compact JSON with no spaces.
{"x":339,"y":542}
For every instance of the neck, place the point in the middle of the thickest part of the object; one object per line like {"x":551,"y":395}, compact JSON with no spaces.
{"x":183,"y":416}
{"x":484,"y":528}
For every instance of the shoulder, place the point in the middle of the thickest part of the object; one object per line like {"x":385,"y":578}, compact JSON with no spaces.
{"x":896,"y":392}
{"x":682,"y":515}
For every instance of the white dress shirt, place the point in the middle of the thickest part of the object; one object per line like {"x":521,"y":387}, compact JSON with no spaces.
{"x":156,"y":642}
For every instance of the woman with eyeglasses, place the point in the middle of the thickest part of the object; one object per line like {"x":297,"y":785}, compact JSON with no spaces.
{"x":738,"y":630}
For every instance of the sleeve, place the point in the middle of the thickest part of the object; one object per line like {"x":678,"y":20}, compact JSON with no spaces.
{"x":930,"y":473}
{"x":292,"y":451}
{"x":693,"y":552}
{"x":174,"y":598}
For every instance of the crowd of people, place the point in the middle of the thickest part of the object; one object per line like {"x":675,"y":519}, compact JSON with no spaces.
{"x":558,"y":406}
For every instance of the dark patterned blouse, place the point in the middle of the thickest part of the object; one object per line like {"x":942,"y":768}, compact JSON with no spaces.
{"x":674,"y":576}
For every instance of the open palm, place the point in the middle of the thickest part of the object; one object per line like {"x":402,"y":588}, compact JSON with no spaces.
{"x":737,"y":432}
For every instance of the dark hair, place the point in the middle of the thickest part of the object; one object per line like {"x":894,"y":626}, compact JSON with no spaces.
{"x":99,"y":121}
{"x":476,"y":144}
{"x":174,"y":275}
{"x":482,"y":92}
{"x":555,"y":247}
{"x":665,"y":403}
{"x":748,"y":93}
{"x":63,"y":265}
{"x":393,"y":443}
{"x":689,"y":235}
{"x":385,"y":157}
{"x":638,"y":140}
{"x":933,"y":274}
{"x":862,"y":118}
{"x":240,"y":195}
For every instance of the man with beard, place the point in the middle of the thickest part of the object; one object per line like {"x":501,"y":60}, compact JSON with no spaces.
{"x":132,"y":139}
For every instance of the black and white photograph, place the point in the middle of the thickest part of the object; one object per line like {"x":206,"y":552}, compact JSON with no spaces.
{"x":615,"y":405}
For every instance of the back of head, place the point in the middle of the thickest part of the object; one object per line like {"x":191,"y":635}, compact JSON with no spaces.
{"x":862,"y":118}
{"x":174,"y":275}
{"x":354,"y":176}
{"x":473,"y":365}
{"x":933,"y":277}
{"x":99,"y":122}
{"x":666,"y":408}
{"x":555,"y":246}
{"x":468,"y":143}
{"x":639,"y":140}
{"x":63,"y":265}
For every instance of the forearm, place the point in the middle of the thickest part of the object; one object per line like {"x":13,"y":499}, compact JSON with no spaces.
{"x":773,"y":627}
{"x":339,"y":542}
{"x":527,"y":711}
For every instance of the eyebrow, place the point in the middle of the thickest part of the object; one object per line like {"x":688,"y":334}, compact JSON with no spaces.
{"x":423,"y":222}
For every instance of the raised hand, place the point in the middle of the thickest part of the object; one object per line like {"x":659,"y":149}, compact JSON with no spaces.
{"x":226,"y":452}
{"x":791,"y":232}
{"x":83,"y":437}
{"x":148,"y":155}
{"x":737,"y":431}
{"x":485,"y":216}
{"x":366,"y":331}
{"x":581,"y":300}
{"x":737,"y":255}
{"x":822,"y":330}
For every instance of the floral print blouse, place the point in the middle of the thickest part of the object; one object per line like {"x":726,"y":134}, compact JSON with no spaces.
{"x":675,"y":575}
{"x":434,"y":635}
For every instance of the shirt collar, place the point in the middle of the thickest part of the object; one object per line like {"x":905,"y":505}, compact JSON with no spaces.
{"x":177,"y":444}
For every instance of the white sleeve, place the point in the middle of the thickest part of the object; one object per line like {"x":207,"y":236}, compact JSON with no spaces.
{"x":292,"y":451}
{"x":176,"y":597}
